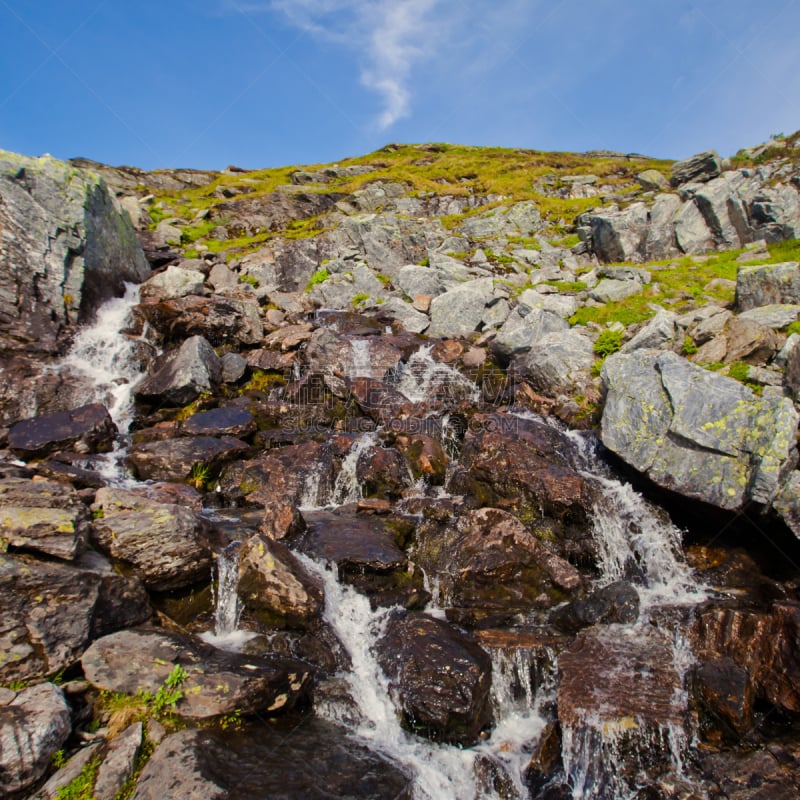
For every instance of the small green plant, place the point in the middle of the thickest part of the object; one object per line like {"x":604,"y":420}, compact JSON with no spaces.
{"x":82,"y":785}
{"x":426,"y":262}
{"x":249,"y":279}
{"x":17,"y":686}
{"x":200,"y":475}
{"x":168,"y":695}
{"x":98,"y":513}
{"x":59,"y":759}
{"x":320,"y":276}
{"x":608,"y":342}
{"x":384,"y":279}
{"x":793,"y":328}
{"x":689,"y":348}
{"x":359,"y":299}
{"x":232,"y":720}
{"x":739,"y":371}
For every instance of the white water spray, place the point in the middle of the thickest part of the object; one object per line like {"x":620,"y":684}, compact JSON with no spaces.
{"x":427,"y":380}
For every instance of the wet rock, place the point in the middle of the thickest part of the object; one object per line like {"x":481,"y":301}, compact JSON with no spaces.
{"x":162,"y":542}
{"x":52,"y":611}
{"x":217,"y":681}
{"x":274,"y":586}
{"x":522,"y":465}
{"x":442,"y":678}
{"x":696,"y":432}
{"x":347,"y":356}
{"x":32,"y":727}
{"x":88,"y":429}
{"x":220,"y":319}
{"x":425,"y":456}
{"x":748,"y":776}
{"x":767,"y":284}
{"x":616,"y":603}
{"x":281,"y":521}
{"x":172,"y":282}
{"x":227,"y":421}
{"x":174,"y":459}
{"x":119,"y":762}
{"x":459,"y":311}
{"x":701,"y":167}
{"x":260,"y":761}
{"x":523,"y":329}
{"x":67,"y":249}
{"x":378,"y":400}
{"x":182,"y":375}
{"x":300,"y":474}
{"x":383,"y":472}
{"x":42,"y":516}
{"x":726,"y":691}
{"x":489,"y":566}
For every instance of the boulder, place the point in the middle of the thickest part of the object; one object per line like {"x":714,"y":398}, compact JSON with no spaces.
{"x":658,"y":334}
{"x":226,"y":421}
{"x":754,"y":775}
{"x":172,"y":282}
{"x":652,"y":180}
{"x":398,"y":312}
{"x":233,"y":366}
{"x":182,"y":375}
{"x":33,"y":726}
{"x":695,"y":432}
{"x":726,"y":691}
{"x":274,"y":586}
{"x":64,"y":776}
{"x":161,"y":541}
{"x":724,"y":211}
{"x":524,"y":466}
{"x":523,"y":329}
{"x":442,"y":678}
{"x":459,"y":311}
{"x":618,"y":235}
{"x":660,"y":239}
{"x":419,"y":280}
{"x":610,"y":290}
{"x":777,"y":315}
{"x":560,"y":363}
{"x":216,"y":681}
{"x":489,"y":566}
{"x":562,"y":305}
{"x":692,"y":233}
{"x":119,"y":762}
{"x":52,"y":611}
{"x":767,"y":284}
{"x":175,"y":459}
{"x":749,"y":341}
{"x":701,"y":167}
{"x":616,"y":603}
{"x":66,"y":248}
{"x":267,"y":761}
{"x":42,"y":516}
{"x":344,"y":290}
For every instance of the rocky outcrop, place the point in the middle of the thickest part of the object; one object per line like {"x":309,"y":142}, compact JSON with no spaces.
{"x":215,"y":681}
{"x":762,"y":285}
{"x":696,"y":432}
{"x":66,"y":248}
{"x":701,"y":167}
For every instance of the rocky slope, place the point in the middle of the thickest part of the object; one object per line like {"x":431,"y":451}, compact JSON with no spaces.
{"x":353,"y":364}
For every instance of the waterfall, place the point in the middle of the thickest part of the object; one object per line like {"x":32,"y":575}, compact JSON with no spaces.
{"x":347,"y":488}
{"x":425,"y":380}
{"x":360,"y":361}
{"x":227,"y":609}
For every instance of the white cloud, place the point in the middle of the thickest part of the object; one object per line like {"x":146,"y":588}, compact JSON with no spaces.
{"x":391,"y":36}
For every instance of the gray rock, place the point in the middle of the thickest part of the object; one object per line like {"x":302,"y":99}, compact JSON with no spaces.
{"x":775,"y":316}
{"x":66,"y":248}
{"x":563,"y":305}
{"x":692,"y":233}
{"x":789,"y":346}
{"x":418,"y":280}
{"x":523,"y":329}
{"x":787,"y":503}
{"x":42,"y":516}
{"x":618,"y":235}
{"x":395,"y":310}
{"x":119,"y":762}
{"x":767,"y":284}
{"x":32,"y":727}
{"x":68,"y":773}
{"x":173,"y":282}
{"x":700,"y":167}
{"x":340,"y":290}
{"x":521,"y":219}
{"x":626,"y":274}
{"x":182,"y":375}
{"x":160,"y":541}
{"x":495,"y":314}
{"x":222,"y":278}
{"x":217,"y":682}
{"x":560,"y":363}
{"x":51,"y":611}
{"x":166,"y":234}
{"x":233,"y":367}
{"x":658,"y":334}
{"x":660,"y":241}
{"x":652,"y":180}
{"x":711,"y":326}
{"x":459,"y":311}
{"x":723,"y":209}
{"x":453,"y":271}
{"x":609,"y":290}
{"x":748,"y":341}
{"x":696,"y":432}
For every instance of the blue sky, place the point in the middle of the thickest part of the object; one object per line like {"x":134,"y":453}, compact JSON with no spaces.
{"x":257,"y":83}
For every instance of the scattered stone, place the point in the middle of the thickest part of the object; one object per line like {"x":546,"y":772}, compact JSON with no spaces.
{"x":523,"y":329}
{"x":459,"y":311}
{"x":616,"y":603}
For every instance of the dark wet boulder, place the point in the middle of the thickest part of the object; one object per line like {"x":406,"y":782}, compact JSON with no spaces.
{"x":220,"y":319}
{"x":490,"y":567}
{"x":299,"y":474}
{"x":88,"y":429}
{"x":350,"y":356}
{"x":695,"y":432}
{"x":162,"y":542}
{"x":215,"y":682}
{"x":42,"y":516}
{"x":274,"y":587}
{"x":52,"y":611}
{"x":616,"y":603}
{"x":382,"y":472}
{"x":197,"y":457}
{"x":425,"y":455}
{"x":748,"y":775}
{"x":320,"y":763}
{"x":726,"y":691}
{"x":182,"y":375}
{"x":33,"y":726}
{"x":523,"y":466}
{"x":226,"y":421}
{"x":67,"y":248}
{"x":378,"y":400}
{"x":441,"y":677}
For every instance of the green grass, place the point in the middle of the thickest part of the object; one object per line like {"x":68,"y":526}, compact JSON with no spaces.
{"x":320,"y":276}
{"x":359,"y":299}
{"x":567,"y":287}
{"x":608,"y":342}
{"x":249,"y":279}
{"x":81,"y":787}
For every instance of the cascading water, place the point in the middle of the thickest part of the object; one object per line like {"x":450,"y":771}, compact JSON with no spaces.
{"x":426,"y":380}
{"x":360,"y":365}
{"x":347,"y":488}
{"x":227,"y":608}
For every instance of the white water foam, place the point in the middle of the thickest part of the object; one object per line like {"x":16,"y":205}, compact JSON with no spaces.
{"x":425,"y":380}
{"x":347,"y":488}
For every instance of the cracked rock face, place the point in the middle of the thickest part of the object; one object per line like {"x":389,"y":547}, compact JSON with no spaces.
{"x":695,"y":432}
